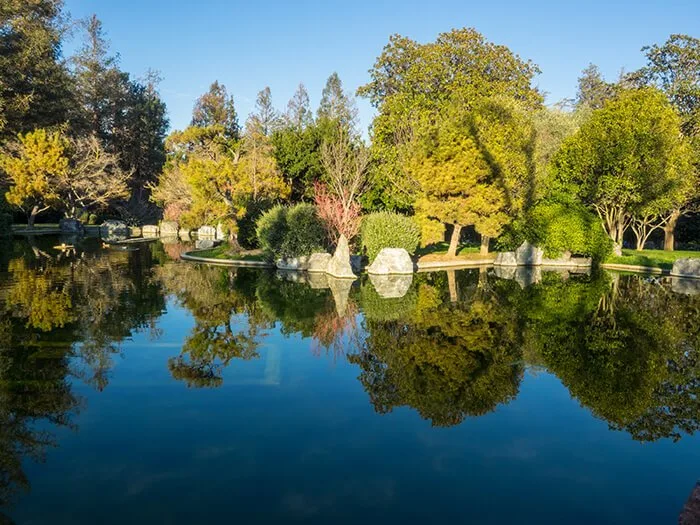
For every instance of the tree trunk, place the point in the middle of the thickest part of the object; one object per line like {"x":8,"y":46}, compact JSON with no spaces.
{"x":484,"y":250}
{"x":670,"y":231}
{"x":452,"y":285}
{"x":454,"y":240}
{"x":32,"y":216}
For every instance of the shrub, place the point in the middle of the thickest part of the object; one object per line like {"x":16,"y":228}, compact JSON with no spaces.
{"x":305,"y":232}
{"x":556,"y":227}
{"x":389,"y":230}
{"x":290,"y":231}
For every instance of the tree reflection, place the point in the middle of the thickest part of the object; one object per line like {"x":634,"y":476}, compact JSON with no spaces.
{"x":447,"y":360}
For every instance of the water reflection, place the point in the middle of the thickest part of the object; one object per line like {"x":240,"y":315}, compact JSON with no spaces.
{"x":448,"y":345}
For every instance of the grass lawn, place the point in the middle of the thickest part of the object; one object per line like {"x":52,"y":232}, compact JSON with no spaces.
{"x":651,"y":258}
{"x":223,"y":252}
{"x":438,"y":252}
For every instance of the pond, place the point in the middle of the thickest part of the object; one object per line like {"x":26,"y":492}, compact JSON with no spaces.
{"x":136,"y":388}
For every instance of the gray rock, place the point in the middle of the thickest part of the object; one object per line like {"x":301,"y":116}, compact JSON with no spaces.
{"x":293,"y":263}
{"x":685,"y":286}
{"x":149,"y":230}
{"x":339,"y":265}
{"x":318,"y":262}
{"x":391,"y":286}
{"x":71,"y":226}
{"x":687,"y":267}
{"x":528,"y":255}
{"x":204,"y":244}
{"x":505,"y":259}
{"x":391,"y":261}
{"x":169,"y":229}
{"x":206,"y":232}
{"x":340,"y":288}
{"x":113,"y":228}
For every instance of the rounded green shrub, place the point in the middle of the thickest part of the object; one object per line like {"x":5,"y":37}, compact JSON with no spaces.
{"x":388,"y":230}
{"x":293,"y":231}
{"x":305,"y":233}
{"x":557,"y":227}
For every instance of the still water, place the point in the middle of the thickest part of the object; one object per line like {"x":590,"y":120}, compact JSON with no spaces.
{"x":135,"y":388}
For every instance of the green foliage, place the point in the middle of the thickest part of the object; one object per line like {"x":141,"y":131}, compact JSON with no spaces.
{"x":388,"y":230}
{"x":556,"y":228}
{"x":290,"y":231}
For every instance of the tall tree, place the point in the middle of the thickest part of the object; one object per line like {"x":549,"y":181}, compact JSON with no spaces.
{"x":624,"y":158}
{"x":593,"y":90}
{"x":299,"y":115}
{"x":410,"y":79}
{"x":216,"y":108}
{"x":35,"y":87}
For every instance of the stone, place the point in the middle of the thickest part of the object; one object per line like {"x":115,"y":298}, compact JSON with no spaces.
{"x":528,"y":255}
{"x":149,"y":230}
{"x":204,"y":244}
{"x":391,"y":261}
{"x":505,"y":259}
{"x":71,"y":226}
{"x":339,"y":265}
{"x":169,"y":229}
{"x":391,"y":286}
{"x":687,"y":267}
{"x":206,"y":232}
{"x":685,"y":286}
{"x":293,"y":263}
{"x":340,"y":289}
{"x":318,"y":262}
{"x":113,"y":228}
{"x":220,"y":233}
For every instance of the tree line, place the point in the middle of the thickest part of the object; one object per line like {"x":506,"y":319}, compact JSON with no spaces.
{"x":461,"y":139}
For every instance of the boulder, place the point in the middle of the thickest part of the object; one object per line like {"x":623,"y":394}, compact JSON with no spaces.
{"x":169,"y":229}
{"x":391,"y":286}
{"x":391,"y":261}
{"x":318,"y":262}
{"x":149,"y":230}
{"x":293,"y":263}
{"x":688,"y":267}
{"x":339,"y":265}
{"x":71,"y":226}
{"x":685,"y":286}
{"x":206,"y":232}
{"x":528,"y":255}
{"x":505,"y":259}
{"x":113,"y":228}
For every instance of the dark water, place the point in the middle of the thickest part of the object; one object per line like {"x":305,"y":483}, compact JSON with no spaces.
{"x":138,"y":389}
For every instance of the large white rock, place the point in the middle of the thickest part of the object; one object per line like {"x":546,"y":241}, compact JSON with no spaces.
{"x":687,"y":267}
{"x":150,"y":230}
{"x":169,"y":229}
{"x":505,"y":259}
{"x":528,"y":255}
{"x":391,"y":286}
{"x":391,"y":261}
{"x":339,"y":265}
{"x":318,"y":262}
{"x":206,"y":232}
{"x":113,"y":228}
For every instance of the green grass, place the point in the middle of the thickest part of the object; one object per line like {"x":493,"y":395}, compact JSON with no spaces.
{"x":224,"y":252}
{"x":441,"y":248}
{"x":651,"y":258}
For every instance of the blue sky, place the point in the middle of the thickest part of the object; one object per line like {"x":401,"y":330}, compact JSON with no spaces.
{"x":253,"y":44}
